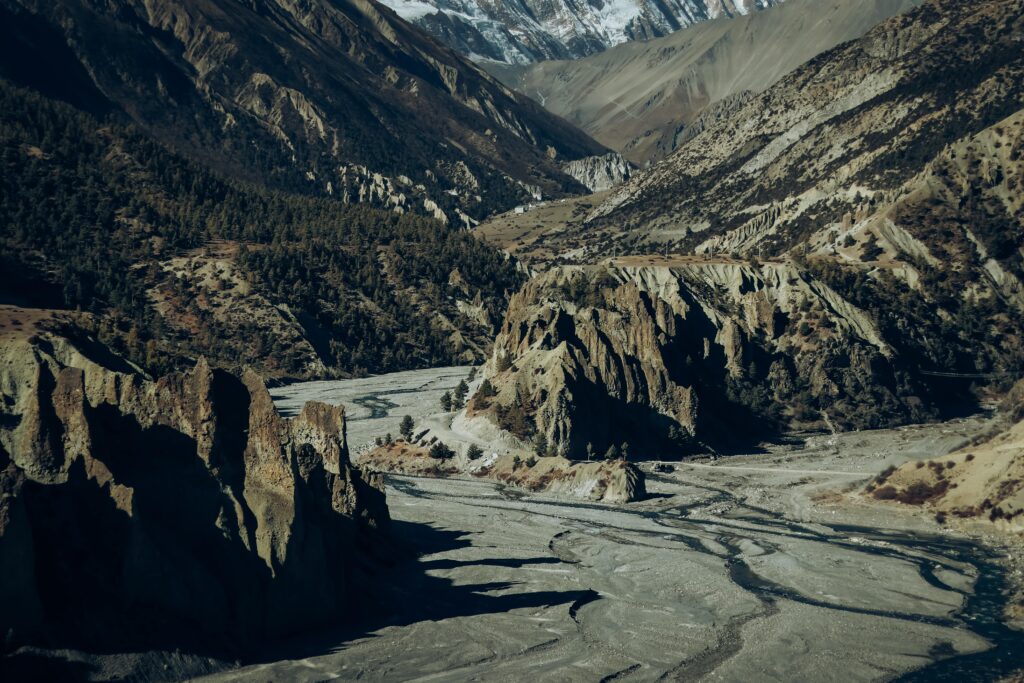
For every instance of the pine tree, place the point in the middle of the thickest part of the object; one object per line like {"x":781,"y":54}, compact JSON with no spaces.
{"x":540,"y":444}
{"x":406,"y":427}
{"x":460,"y":394}
{"x":446,"y":401}
{"x":612,"y":453}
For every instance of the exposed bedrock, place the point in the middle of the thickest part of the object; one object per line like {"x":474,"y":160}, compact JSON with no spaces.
{"x":666,"y":359}
{"x":176,"y":513}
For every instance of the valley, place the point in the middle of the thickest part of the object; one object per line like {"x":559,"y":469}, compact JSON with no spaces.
{"x":374,"y":406}
{"x":762,"y":566}
{"x":485,"y":340}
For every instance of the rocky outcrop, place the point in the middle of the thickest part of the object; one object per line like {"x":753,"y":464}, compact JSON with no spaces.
{"x":181,"y":512}
{"x":608,"y":481}
{"x":983,"y":481}
{"x":666,"y":359}
{"x":887,"y":168}
{"x":599,"y":173}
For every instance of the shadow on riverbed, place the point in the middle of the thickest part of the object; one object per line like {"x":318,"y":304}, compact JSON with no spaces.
{"x":392,"y":589}
{"x":401,"y":592}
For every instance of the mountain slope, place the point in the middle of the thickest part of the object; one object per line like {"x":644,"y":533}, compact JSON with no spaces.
{"x":180,"y":262}
{"x":532,"y":30}
{"x":327,"y":96}
{"x":983,"y":481}
{"x":884,"y":175}
{"x":643,"y":98}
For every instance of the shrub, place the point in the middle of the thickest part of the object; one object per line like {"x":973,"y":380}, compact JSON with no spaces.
{"x":885,"y":493}
{"x":885,"y":474}
{"x":920,"y":492}
{"x":439,"y":451}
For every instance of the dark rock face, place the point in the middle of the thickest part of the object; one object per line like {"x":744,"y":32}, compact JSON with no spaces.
{"x":182,"y":512}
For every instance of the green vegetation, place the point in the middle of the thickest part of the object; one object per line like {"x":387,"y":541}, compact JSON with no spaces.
{"x":440,"y":451}
{"x":405,"y":428}
{"x":459,"y":397}
{"x":89,"y":210}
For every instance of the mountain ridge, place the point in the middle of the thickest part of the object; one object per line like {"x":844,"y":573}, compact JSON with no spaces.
{"x":320,"y":97}
{"x":642,"y":99}
{"x":522,"y":32}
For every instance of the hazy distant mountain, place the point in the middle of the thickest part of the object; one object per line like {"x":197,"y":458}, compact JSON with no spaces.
{"x":642,"y":99}
{"x":533,"y":30}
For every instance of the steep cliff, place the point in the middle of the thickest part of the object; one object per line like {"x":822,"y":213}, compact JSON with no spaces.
{"x":887,"y":169}
{"x":181,"y":512}
{"x":668,"y":358}
{"x":599,"y":173}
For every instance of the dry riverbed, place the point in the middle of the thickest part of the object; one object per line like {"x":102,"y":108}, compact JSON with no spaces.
{"x":758,"y":567}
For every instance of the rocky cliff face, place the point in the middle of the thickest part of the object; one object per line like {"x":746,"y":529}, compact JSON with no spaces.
{"x":600,"y":173}
{"x":856,"y":121}
{"x":321,"y":97}
{"x":887,"y":169}
{"x":176,"y":513}
{"x":672,"y":357}
{"x":530,"y":31}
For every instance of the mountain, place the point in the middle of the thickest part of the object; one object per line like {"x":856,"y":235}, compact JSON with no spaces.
{"x":178,"y":262}
{"x":330,"y":97}
{"x":668,"y":357}
{"x":529,"y":31}
{"x":846,"y":249}
{"x":644,"y":98}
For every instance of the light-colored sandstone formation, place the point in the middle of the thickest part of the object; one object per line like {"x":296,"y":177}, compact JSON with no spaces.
{"x":177,"y":512}
{"x":662,"y":358}
{"x":598,"y":173}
